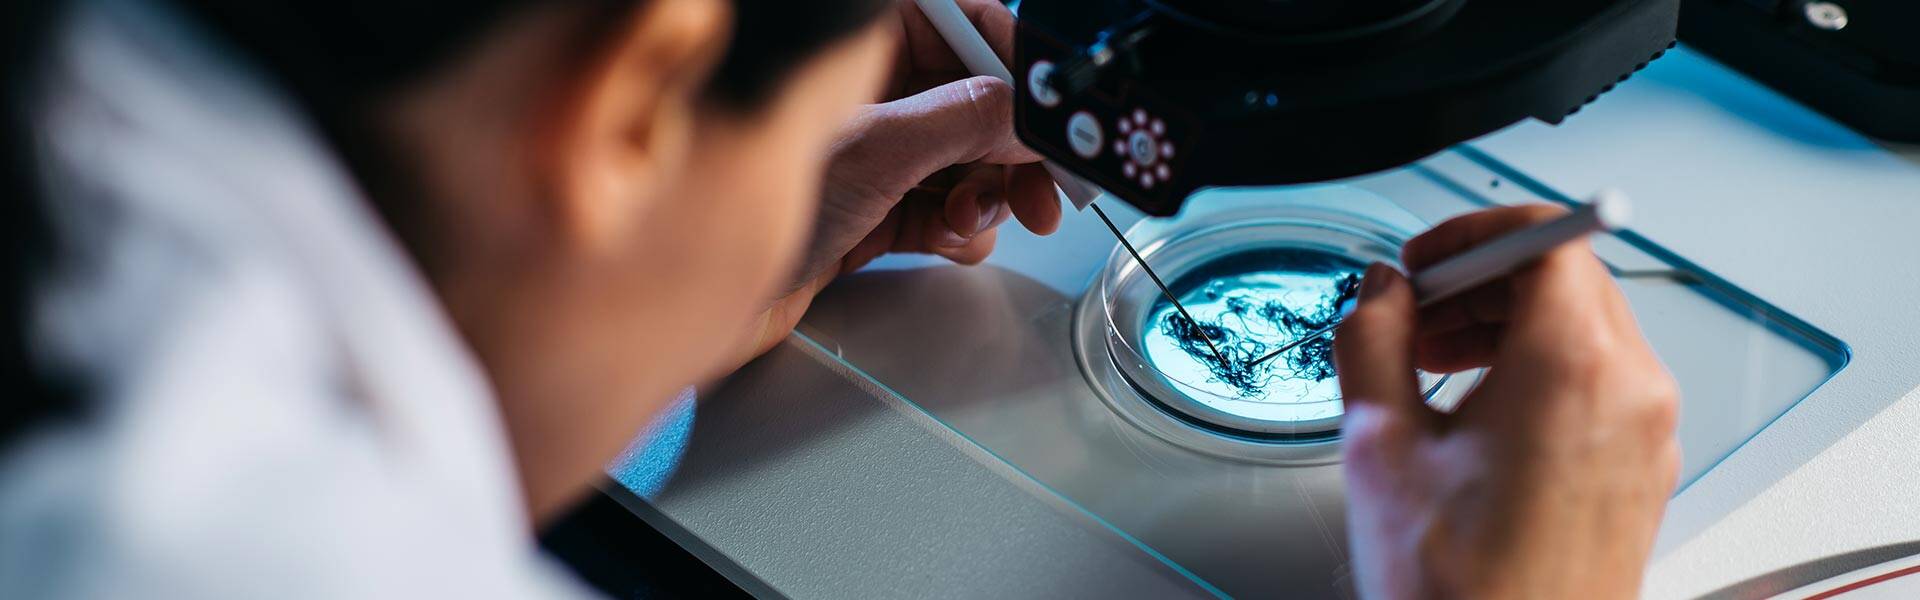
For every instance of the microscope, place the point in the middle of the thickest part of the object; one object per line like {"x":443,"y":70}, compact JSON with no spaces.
{"x":1153,"y":100}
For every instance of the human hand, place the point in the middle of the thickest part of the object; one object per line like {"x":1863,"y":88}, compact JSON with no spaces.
{"x":1551,"y":478}
{"x":935,"y":169}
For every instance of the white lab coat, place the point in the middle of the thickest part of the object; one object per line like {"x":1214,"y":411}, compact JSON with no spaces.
{"x":279,"y":408}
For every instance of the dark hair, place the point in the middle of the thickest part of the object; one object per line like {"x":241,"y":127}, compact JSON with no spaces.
{"x":24,"y":243}
{"x":352,"y":47}
{"x":331,"y":54}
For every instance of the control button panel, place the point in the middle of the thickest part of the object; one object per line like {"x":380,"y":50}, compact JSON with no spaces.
{"x":1129,"y":143}
{"x":1040,"y":85}
{"x":1085,"y":134}
{"x":1146,"y":149}
{"x":1143,"y":149}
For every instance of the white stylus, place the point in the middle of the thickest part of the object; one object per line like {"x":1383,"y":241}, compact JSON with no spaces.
{"x":1608,"y":211}
{"x":973,"y":50}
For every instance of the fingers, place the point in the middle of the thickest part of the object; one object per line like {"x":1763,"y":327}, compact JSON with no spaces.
{"x":1464,"y":333}
{"x":1459,"y":350}
{"x":987,"y":195}
{"x":1568,"y":286}
{"x":996,"y":23}
{"x":1034,"y":199}
{"x":974,"y":252}
{"x":1373,"y":350}
{"x":970,"y":120}
{"x":926,"y":51}
{"x":1489,"y":304}
{"x":977,"y":203}
{"x":1560,"y":290}
{"x":1556,"y":319}
{"x":877,"y":243}
{"x":953,"y":123}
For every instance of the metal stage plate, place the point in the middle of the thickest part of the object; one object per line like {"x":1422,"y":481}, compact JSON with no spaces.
{"x":1025,"y":478}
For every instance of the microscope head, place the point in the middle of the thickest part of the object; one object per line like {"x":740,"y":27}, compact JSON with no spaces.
{"x":1156,"y":99}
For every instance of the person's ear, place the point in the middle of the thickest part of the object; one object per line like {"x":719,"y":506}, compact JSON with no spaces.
{"x":628,"y":129}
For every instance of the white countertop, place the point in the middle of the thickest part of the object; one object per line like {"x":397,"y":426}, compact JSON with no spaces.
{"x":1780,"y":201}
{"x":1809,"y":216}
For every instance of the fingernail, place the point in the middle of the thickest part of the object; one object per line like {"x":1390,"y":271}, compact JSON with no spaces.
{"x":951,"y":239}
{"x":989,"y":212}
{"x":957,"y":221}
{"x":1378,"y":280}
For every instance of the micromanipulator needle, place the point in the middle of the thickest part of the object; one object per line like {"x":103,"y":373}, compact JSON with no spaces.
{"x":1608,"y":211}
{"x":1163,"y":285}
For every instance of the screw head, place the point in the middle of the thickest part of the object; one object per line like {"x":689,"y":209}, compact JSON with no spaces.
{"x":1827,"y":15}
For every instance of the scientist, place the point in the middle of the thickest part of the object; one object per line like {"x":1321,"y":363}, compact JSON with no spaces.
{"x":347,"y":298}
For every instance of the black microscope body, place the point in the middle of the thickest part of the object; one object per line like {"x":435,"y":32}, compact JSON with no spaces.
{"x":1156,"y":99}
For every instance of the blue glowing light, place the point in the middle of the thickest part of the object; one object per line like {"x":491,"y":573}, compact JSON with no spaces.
{"x":650,"y":461}
{"x":1251,"y":303}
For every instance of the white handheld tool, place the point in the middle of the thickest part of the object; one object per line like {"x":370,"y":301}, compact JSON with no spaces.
{"x":1608,"y":211}
{"x":980,"y":58}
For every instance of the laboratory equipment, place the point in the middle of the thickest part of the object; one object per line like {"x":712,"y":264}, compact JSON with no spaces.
{"x":1856,"y":60}
{"x":1153,"y":100}
{"x":972,"y":48}
{"x":1005,"y":461}
{"x":1257,"y":272}
{"x":1023,"y":381}
{"x":1608,"y":211}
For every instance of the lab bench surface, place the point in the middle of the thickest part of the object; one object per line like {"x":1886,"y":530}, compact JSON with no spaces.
{"x":1818,"y":220}
{"x":1780,"y":201}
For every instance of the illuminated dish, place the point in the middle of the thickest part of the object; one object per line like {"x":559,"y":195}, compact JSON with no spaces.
{"x":1254,"y":273}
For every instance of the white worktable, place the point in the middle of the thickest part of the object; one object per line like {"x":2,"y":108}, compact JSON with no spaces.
{"x":1815,"y":219}
{"x":864,"y":493}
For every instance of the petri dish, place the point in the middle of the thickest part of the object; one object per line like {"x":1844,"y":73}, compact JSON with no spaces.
{"x":1253,"y":277}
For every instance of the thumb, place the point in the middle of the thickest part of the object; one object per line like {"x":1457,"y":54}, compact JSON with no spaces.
{"x":970,"y":120}
{"x":1373,"y":349}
